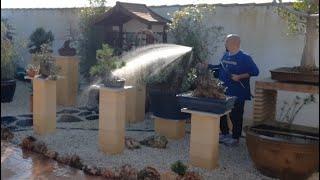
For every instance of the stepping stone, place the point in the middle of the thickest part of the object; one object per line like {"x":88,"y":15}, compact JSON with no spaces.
{"x":25,"y":123}
{"x":8,"y":119}
{"x":93,"y":117}
{"x":86,"y":113}
{"x":69,"y":118}
{"x":68,"y":111}
{"x":26,"y":115}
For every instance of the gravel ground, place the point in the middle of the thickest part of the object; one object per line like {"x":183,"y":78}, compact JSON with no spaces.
{"x":235,"y":162}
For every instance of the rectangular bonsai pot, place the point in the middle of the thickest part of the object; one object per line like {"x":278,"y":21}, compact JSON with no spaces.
{"x":211,"y":105}
{"x":286,"y":74}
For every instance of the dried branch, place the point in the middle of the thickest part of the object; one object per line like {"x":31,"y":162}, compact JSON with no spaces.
{"x":297,"y":13}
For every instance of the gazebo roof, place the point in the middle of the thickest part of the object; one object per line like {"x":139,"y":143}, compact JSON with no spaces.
{"x":123,"y":12}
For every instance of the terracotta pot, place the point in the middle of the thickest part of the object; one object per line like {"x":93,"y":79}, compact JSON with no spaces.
{"x":287,"y":74}
{"x":279,"y":157}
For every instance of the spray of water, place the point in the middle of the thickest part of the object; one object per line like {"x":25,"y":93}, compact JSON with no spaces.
{"x":143,"y":61}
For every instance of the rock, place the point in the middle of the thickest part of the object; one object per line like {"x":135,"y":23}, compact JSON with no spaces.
{"x":92,"y":170}
{"x":28,"y":143}
{"x":75,"y":162}
{"x":86,"y":113}
{"x":25,"y":123}
{"x":92,"y":117}
{"x":69,"y":118}
{"x":148,"y":173}
{"x":169,"y":175}
{"x":40,"y":147}
{"x":191,"y":176}
{"x":65,"y":159}
{"x":93,"y":98}
{"x":66,"y":50}
{"x":68,"y":111}
{"x":12,"y":128}
{"x":51,"y":154}
{"x":26,"y":115}
{"x":127,"y":172}
{"x":131,"y":143}
{"x":108,"y":174}
{"x":5,"y":120}
{"x":156,"y":141}
{"x":6,"y":134}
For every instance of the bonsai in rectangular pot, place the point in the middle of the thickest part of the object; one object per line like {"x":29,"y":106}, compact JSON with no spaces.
{"x":208,"y":96}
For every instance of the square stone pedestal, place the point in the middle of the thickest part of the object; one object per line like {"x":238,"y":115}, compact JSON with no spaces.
{"x":44,"y":106}
{"x":140,"y":95}
{"x":204,"y":140}
{"x":171,"y":128}
{"x":112,"y":117}
{"x":67,"y":87}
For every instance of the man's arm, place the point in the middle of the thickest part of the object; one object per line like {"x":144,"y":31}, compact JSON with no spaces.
{"x":252,"y":71}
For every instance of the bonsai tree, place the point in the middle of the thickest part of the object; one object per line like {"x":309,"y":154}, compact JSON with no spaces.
{"x":7,"y":54}
{"x":107,"y":62}
{"x":303,"y":17}
{"x":48,"y":67}
{"x":179,"y":168}
{"x":38,"y":38}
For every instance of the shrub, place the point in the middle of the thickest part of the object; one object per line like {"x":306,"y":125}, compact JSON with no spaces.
{"x":7,"y":54}
{"x":179,"y":168}
{"x":38,"y":38}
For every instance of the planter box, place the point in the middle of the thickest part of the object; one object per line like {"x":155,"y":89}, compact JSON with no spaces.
{"x":279,"y":154}
{"x":287,"y":75}
{"x":216,"y":106}
{"x":172,"y":129}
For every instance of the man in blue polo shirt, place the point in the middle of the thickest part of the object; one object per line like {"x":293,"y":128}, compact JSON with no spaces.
{"x":235,"y":70}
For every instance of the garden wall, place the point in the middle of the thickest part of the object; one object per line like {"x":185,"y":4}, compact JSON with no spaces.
{"x":263,"y":33}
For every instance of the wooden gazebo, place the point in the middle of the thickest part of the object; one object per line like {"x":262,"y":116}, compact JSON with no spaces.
{"x":129,"y":25}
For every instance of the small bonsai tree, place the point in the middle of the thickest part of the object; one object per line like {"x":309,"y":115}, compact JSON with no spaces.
{"x":303,"y":17}
{"x":7,"y":54}
{"x":179,"y":168}
{"x":38,"y":38}
{"x":48,"y":67}
{"x":107,"y":62}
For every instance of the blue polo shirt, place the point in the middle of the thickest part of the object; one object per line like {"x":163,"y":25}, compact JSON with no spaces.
{"x":239,"y":63}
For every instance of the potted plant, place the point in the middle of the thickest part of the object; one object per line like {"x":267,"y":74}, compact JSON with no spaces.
{"x":8,"y":83}
{"x":32,"y":70}
{"x":208,"y":95}
{"x":303,"y":17}
{"x":106,"y":64}
{"x":282,"y":149}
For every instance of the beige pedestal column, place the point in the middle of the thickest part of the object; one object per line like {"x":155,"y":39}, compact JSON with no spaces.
{"x":204,"y":140}
{"x":172,"y":129}
{"x":112,"y":116}
{"x":44,"y":106}
{"x":140,"y":92}
{"x":130,"y":104}
{"x":67,"y":87}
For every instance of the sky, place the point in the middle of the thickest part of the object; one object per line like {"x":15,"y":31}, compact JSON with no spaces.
{"x":83,"y":3}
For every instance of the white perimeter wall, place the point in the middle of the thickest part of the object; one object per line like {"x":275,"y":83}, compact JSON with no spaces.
{"x":263,"y":34}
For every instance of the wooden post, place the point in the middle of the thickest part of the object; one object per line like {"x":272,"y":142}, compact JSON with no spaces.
{"x":44,"y":106}
{"x":204,"y":140}
{"x":112,"y":116}
{"x":171,"y":128}
{"x":67,"y":87}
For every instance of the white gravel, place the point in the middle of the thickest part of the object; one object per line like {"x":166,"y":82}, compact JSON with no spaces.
{"x":235,"y":162}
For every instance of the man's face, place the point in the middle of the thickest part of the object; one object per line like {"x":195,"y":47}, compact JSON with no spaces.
{"x":232,"y":44}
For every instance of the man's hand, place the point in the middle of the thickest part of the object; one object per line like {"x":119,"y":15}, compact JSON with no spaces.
{"x":237,"y":77}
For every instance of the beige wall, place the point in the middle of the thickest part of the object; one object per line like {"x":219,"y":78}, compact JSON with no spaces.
{"x":263,"y":33}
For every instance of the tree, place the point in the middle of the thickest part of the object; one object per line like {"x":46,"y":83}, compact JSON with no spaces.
{"x":303,"y":17}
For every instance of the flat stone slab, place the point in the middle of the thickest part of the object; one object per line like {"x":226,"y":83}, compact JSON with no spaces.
{"x":69,"y":118}
{"x":93,"y":117}
{"x":25,"y":123}
{"x":68,"y":111}
{"x":6,"y":120}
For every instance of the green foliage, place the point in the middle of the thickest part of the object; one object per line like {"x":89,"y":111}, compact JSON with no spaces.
{"x":9,"y":29}
{"x":38,"y":38}
{"x":179,"y":168}
{"x":92,"y":36}
{"x":296,"y":23}
{"x":7,"y":54}
{"x":107,"y":62}
{"x":48,"y":67}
